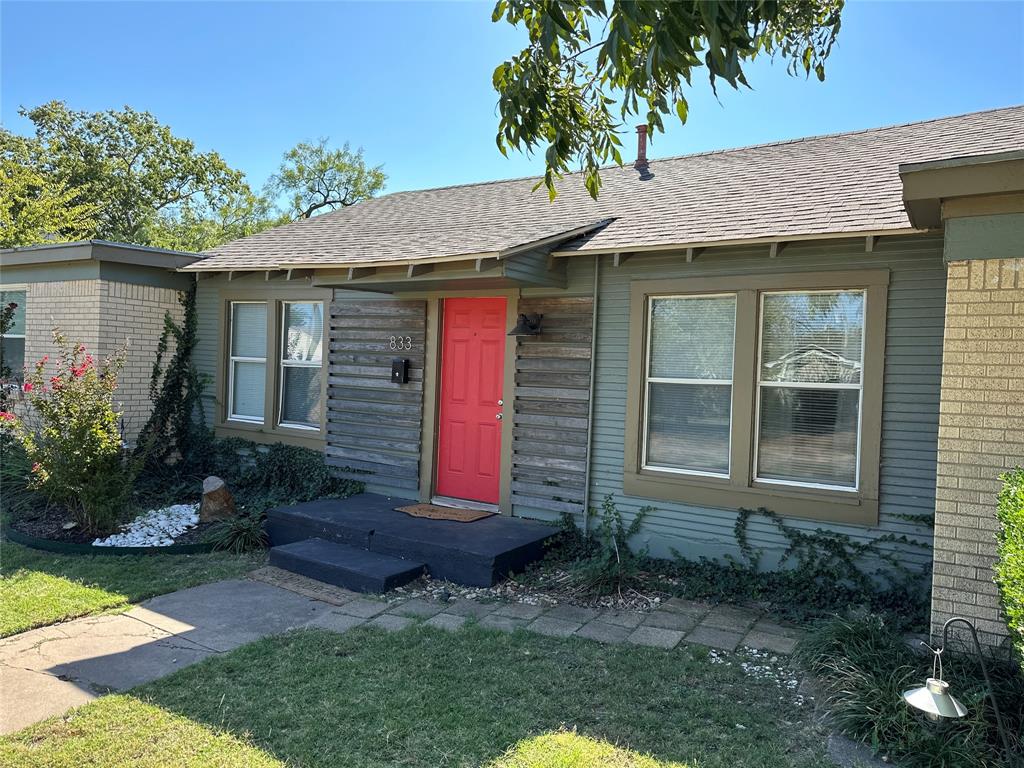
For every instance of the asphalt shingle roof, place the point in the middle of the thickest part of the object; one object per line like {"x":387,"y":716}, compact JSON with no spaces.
{"x":823,"y":185}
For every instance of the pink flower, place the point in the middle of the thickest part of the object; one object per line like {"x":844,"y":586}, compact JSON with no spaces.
{"x":6,"y":416}
{"x":27,"y":386}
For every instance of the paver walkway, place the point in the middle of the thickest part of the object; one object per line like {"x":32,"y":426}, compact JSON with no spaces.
{"x":46,"y":671}
{"x":724,"y":627}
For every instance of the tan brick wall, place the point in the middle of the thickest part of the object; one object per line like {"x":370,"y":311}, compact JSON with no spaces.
{"x":134,"y":315}
{"x":103,"y":315}
{"x":71,"y":305}
{"x":981,"y":434}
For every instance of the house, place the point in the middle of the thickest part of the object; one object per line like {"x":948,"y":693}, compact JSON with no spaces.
{"x":102,"y":294}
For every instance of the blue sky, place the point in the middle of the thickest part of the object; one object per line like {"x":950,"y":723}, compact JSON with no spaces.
{"x":410,"y":82}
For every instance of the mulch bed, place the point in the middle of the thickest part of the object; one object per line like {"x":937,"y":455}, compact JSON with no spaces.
{"x":49,"y":523}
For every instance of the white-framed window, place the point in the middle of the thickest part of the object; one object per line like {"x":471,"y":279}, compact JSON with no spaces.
{"x":300,"y":403}
{"x":247,"y":366}
{"x":810,"y":387}
{"x":689,"y":383}
{"x":12,"y":343}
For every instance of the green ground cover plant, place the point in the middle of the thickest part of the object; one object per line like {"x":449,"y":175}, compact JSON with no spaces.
{"x":425,"y":698}
{"x":821,"y":573}
{"x":865,"y":664}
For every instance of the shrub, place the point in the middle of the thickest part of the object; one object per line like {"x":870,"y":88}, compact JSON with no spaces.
{"x":75,"y":446}
{"x":243,"y":533}
{"x":608,"y":564}
{"x":865,"y":664}
{"x":1010,"y":565}
{"x":288,"y":474}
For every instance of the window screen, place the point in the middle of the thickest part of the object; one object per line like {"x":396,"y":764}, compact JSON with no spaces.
{"x":809,"y":389}
{"x":302,"y":333}
{"x":248,"y":363}
{"x":689,"y":383}
{"x":12,"y":343}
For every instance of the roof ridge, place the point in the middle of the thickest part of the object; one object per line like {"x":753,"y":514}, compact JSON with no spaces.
{"x":726,"y":150}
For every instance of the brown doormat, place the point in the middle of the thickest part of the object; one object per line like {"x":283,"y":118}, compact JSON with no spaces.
{"x":434,"y":512}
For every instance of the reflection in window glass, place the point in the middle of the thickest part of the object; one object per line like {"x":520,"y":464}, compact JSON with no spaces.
{"x":811,"y":371}
{"x":302,"y":333}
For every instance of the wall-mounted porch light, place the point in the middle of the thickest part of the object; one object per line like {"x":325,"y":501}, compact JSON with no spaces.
{"x":527,"y":325}
{"x":934,"y":698}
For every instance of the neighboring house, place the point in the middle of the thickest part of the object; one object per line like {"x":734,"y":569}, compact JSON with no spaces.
{"x":101,"y":294}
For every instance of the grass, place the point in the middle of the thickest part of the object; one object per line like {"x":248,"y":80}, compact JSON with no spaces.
{"x":423,"y":697}
{"x":39,"y":588}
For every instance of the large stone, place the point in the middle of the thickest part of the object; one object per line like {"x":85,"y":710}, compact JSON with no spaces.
{"x":218,"y":503}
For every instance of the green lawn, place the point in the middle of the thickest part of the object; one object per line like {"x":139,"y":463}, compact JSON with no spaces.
{"x":39,"y":588}
{"x":426,"y":698}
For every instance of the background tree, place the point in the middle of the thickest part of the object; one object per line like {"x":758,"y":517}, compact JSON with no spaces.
{"x":129,"y":167}
{"x":316,"y":179}
{"x":561,"y":89}
{"x":34,"y":207}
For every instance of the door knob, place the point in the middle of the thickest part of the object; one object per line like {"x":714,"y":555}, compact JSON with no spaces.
{"x":498,"y":417}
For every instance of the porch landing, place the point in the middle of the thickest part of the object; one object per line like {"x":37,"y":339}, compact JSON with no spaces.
{"x":363,"y":544}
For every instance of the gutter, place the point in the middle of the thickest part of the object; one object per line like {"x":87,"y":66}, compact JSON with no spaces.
{"x":590,"y":401}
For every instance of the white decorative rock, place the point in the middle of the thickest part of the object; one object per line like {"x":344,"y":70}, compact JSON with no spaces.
{"x":155,"y":528}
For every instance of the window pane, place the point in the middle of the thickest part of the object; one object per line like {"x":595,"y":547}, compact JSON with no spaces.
{"x":12,"y":356}
{"x":692,"y":337}
{"x":688,"y":427}
{"x":249,"y":330}
{"x":248,"y":389}
{"x":304,"y":331}
{"x":812,"y":337}
{"x":300,"y":401}
{"x":808,"y":435}
{"x":15,"y":297}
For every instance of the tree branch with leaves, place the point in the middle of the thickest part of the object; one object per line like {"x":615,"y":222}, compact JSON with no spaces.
{"x":584,"y":57}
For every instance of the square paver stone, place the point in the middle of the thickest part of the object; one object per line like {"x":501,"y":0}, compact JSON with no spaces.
{"x":656,"y":637}
{"x":714,"y":638}
{"x":363,"y":608}
{"x":681,"y":622}
{"x":775,"y":628}
{"x":575,"y":613}
{"x":419,"y":608}
{"x":553,"y":627}
{"x":470,"y":608}
{"x":503,"y":623}
{"x":688,"y":607}
{"x":730,"y":618}
{"x":603,"y":633}
{"x":520,"y":611}
{"x":447,"y":621}
{"x":629,"y":619}
{"x":336,"y":622}
{"x":764,"y":641}
{"x":390,"y":623}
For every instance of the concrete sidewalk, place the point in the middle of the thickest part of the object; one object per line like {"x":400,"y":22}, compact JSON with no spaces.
{"x":46,"y":671}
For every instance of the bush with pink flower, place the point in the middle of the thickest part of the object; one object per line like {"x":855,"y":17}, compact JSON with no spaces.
{"x":71,"y":435}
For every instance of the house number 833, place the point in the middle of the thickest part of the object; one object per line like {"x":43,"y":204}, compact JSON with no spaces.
{"x":401,"y":342}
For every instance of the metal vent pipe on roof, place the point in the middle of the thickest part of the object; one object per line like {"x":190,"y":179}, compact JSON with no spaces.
{"x":641,"y":147}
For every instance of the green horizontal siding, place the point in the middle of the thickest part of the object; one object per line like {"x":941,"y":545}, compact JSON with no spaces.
{"x":910,"y":397}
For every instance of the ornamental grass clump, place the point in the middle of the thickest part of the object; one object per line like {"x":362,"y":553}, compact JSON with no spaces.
{"x":71,"y":436}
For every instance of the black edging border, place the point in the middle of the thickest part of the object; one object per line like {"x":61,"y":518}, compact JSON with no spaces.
{"x":72,"y":548}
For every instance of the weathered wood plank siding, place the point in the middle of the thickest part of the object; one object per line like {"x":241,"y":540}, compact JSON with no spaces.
{"x":374,"y":426}
{"x":910,"y":398}
{"x":552,"y":401}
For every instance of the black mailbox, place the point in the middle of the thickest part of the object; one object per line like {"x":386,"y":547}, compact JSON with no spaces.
{"x":399,"y":370}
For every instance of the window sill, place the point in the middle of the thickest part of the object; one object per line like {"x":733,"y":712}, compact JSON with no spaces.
{"x":786,"y":501}
{"x":260,"y":433}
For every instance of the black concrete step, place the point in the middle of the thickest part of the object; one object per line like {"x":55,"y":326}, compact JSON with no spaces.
{"x":357,"y":569}
{"x":476,"y":554}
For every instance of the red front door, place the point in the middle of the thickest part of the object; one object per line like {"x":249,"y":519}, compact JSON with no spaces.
{"x":472,"y":373}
